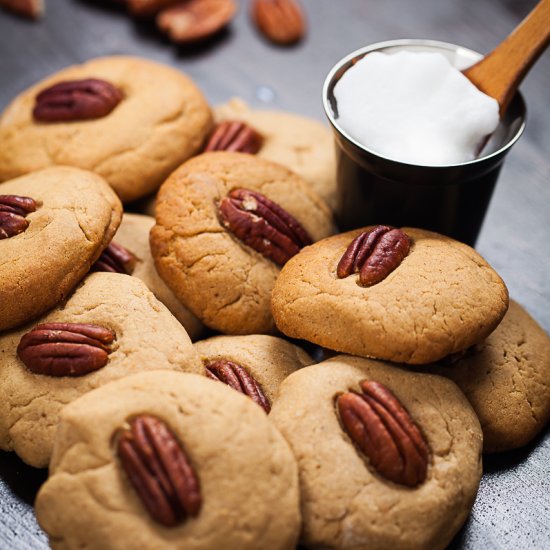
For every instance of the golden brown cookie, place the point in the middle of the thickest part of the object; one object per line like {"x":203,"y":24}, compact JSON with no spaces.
{"x":73,"y":216}
{"x":397,"y":494}
{"x":506,"y":378}
{"x":245,"y":493}
{"x":133,"y":234}
{"x":302,"y":144}
{"x":145,"y":336}
{"x":255,"y":364}
{"x":442,"y":298}
{"x":223,"y":281}
{"x":161,"y":120}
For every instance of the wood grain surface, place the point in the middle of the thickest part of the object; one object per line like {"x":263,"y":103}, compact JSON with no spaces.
{"x":512,"y":510}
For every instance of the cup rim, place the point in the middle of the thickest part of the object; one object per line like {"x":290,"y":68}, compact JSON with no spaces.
{"x":360,"y":52}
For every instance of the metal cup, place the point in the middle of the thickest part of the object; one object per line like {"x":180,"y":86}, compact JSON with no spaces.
{"x":452,"y":199}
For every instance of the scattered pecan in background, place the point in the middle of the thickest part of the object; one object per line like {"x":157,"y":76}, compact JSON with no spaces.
{"x":159,"y":470}
{"x":32,"y":9}
{"x":65,"y":349}
{"x":13,"y":210}
{"x":115,"y":259}
{"x":195,"y":20}
{"x":234,"y":135}
{"x":281,"y":21}
{"x":385,"y":432}
{"x":374,"y":254}
{"x":148,"y":8}
{"x":238,"y":378}
{"x":76,"y":100}
{"x":263,"y":225}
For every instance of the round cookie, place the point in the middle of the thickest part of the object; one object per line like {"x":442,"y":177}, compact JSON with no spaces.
{"x":223,"y":281}
{"x":148,"y":337}
{"x":246,"y":472}
{"x":76,"y":216}
{"x":506,"y":378}
{"x":269,"y":360}
{"x":302,"y":144}
{"x":162,"y":120}
{"x":441,"y":299}
{"x":345,"y":502}
{"x":133,"y":234}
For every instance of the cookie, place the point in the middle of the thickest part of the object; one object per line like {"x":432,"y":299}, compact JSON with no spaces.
{"x":73,"y":216}
{"x":133,"y":234}
{"x":33,"y":393}
{"x":302,"y":144}
{"x":226,"y":283}
{"x":245,"y":484}
{"x":255,"y":364}
{"x":161,"y":119}
{"x":413,"y":488}
{"x":506,"y":378}
{"x":441,"y":298}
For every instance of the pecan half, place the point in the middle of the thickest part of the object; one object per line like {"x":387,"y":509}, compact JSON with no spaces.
{"x":281,"y":21}
{"x":194,"y":20}
{"x":159,"y":470}
{"x":374,"y":254}
{"x":146,"y":8}
{"x":263,"y":225}
{"x":233,"y":135}
{"x":238,"y":378}
{"x":115,"y":259}
{"x":385,"y":432}
{"x":65,"y":349}
{"x":76,"y":100}
{"x":13,"y":210}
{"x":32,"y":9}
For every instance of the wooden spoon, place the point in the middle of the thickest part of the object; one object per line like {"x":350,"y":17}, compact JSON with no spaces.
{"x":500,"y":72}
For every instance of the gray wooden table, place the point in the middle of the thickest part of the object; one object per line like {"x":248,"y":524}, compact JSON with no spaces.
{"x":513,"y":505}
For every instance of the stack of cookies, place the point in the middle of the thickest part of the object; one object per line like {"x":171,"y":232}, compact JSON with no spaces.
{"x":240,"y":440}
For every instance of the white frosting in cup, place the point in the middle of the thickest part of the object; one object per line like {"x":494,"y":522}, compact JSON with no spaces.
{"x":415,"y":108}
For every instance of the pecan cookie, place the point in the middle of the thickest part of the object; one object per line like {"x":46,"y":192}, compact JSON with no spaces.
{"x":409,"y":296}
{"x":387,"y":458}
{"x":112,"y":326}
{"x":506,"y":378}
{"x":187,"y":463}
{"x":302,"y":144}
{"x":54,"y":223}
{"x":254,"y":365}
{"x":226,"y":222}
{"x":129,"y":120}
{"x":133,"y":236}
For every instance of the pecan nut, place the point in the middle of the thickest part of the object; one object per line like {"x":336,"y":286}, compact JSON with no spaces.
{"x":76,"y":100}
{"x":13,"y":210}
{"x":146,"y":8}
{"x":385,"y":432}
{"x":31,"y":9}
{"x":195,"y":20}
{"x":65,"y":349}
{"x":115,"y":259}
{"x":233,"y":135}
{"x":281,"y":21}
{"x":159,"y":470}
{"x":263,"y":225}
{"x":374,"y":254}
{"x":238,"y":378}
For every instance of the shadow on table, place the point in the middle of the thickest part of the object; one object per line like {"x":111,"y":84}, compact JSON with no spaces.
{"x":24,"y":481}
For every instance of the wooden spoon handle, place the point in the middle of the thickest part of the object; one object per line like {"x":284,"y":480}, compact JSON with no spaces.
{"x":500,"y":73}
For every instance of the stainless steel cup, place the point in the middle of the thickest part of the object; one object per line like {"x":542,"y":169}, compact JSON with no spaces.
{"x":451,"y":199}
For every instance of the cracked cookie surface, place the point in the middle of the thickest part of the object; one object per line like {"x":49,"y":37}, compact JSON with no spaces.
{"x":347,"y":505}
{"x":442,"y":298}
{"x":77,"y":215}
{"x":247,"y":473}
{"x":224,"y":282}
{"x":302,"y":144}
{"x":148,"y":337}
{"x":506,"y":378}
{"x":161,"y":121}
